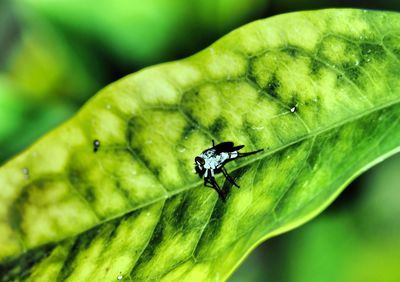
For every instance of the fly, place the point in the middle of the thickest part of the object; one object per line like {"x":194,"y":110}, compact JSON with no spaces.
{"x":211,"y":162}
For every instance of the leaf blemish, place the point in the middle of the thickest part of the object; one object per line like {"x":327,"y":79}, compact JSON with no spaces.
{"x":273,"y":86}
{"x":96,"y":145}
{"x":218,"y":125}
{"x":291,"y":51}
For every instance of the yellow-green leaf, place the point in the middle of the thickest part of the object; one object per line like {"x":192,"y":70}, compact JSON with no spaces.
{"x":318,"y":91}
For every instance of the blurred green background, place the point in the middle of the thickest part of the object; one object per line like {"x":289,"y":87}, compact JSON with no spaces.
{"x":55,"y":54}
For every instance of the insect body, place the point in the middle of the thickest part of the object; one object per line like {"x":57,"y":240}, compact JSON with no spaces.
{"x":211,"y":162}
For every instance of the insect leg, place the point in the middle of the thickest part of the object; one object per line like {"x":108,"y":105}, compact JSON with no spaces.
{"x":206,"y":183}
{"x":207,"y":178}
{"x":216,"y":187}
{"x":210,"y":182}
{"x":229,"y":178}
{"x":213,"y":142}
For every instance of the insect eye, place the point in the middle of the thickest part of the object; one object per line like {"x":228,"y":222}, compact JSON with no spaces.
{"x":199,"y":160}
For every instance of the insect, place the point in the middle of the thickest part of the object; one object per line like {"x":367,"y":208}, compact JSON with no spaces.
{"x":96,"y":145}
{"x":211,"y":162}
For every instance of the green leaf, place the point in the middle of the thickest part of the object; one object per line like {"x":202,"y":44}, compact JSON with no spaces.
{"x":319,"y":91}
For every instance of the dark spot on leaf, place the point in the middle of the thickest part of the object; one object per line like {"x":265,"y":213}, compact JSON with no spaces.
{"x":351,"y":71}
{"x":315,"y":66}
{"x":129,"y":131}
{"x":273,"y":86}
{"x":88,"y":194}
{"x":15,"y":218}
{"x":312,"y":158}
{"x":81,"y":244}
{"x":77,"y":180}
{"x":154,"y":243}
{"x":74,"y":176}
{"x":291,"y":51}
{"x":21,"y":268}
{"x":218,"y":125}
{"x":96,"y":145}
{"x":121,"y":188}
{"x":250,"y":71}
{"x":370,"y":52}
{"x":340,"y":80}
{"x":279,"y":156}
{"x":181,"y":213}
{"x":213,"y":227}
{"x":157,"y":236}
{"x":187,"y":131}
{"x":391,"y":43}
{"x":14,"y":213}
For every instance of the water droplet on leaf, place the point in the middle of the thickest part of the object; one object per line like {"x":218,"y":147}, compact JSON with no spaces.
{"x":257,"y":127}
{"x":25,"y":171}
{"x":180,"y":148}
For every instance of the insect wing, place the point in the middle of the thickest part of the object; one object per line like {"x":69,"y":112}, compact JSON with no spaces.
{"x":237,"y":148}
{"x":224,"y":147}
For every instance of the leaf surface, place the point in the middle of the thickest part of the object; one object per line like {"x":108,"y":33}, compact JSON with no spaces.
{"x":318,"y":91}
